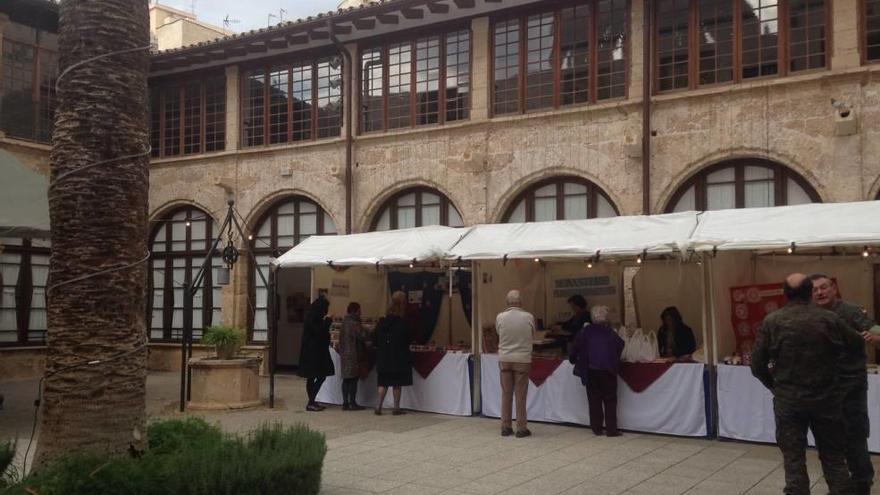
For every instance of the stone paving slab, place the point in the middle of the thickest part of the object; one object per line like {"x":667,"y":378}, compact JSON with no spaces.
{"x":432,"y":454}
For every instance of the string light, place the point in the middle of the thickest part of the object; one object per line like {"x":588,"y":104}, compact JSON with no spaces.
{"x":537,"y":260}
{"x":639,"y":259}
{"x":188,"y":223}
{"x":250,"y":237}
{"x":589,"y":264}
{"x":791,"y":249}
{"x":865,"y":252}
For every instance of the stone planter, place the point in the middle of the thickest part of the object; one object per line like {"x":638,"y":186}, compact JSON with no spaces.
{"x":224,"y":383}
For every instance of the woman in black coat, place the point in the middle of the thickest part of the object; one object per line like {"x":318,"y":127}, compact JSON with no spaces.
{"x":674,"y":338}
{"x":315,"y":363}
{"x":393,"y":360}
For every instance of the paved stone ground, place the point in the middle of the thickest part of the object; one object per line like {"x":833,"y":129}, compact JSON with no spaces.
{"x":429,"y":454}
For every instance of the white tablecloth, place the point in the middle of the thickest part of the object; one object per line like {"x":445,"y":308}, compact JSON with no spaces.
{"x":674,"y":404}
{"x":447,"y":390}
{"x":745,"y":407}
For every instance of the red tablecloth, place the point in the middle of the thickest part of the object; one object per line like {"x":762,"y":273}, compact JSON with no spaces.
{"x":542,"y":368}
{"x":425,"y":361}
{"x":640,"y":376}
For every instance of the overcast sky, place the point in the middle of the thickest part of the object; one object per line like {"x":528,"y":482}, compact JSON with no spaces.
{"x":251,"y":14}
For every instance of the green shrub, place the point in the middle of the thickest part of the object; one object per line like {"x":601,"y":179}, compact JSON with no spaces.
{"x":7,"y":455}
{"x":226,"y":340}
{"x":191,"y":457}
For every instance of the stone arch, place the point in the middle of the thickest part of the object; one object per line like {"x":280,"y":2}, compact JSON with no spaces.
{"x":506,"y":201}
{"x":374,"y":207}
{"x":265,"y":204}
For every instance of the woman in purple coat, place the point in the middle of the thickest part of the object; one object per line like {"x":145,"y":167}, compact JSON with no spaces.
{"x":596,"y":357}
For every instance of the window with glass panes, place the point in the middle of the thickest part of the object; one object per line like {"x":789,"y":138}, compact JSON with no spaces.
{"x":560,"y":198}
{"x":417,"y":207}
{"x":24,"y":271}
{"x":181,"y":241}
{"x":743,"y":183}
{"x":292,"y":102}
{"x":29,"y":67}
{"x":571,"y":54}
{"x":286,"y":224}
{"x":706,"y":42}
{"x":416,"y":82}
{"x":189,"y":117}
{"x":871,"y":30}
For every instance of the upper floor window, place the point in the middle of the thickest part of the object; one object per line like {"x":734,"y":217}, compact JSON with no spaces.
{"x":24,"y":270}
{"x":417,"y":207}
{"x":27,"y":96}
{"x":188,"y":118}
{"x":742,"y":183}
{"x":871,"y":30}
{"x":287,"y":103}
{"x":704,"y":42}
{"x":416,"y":82}
{"x":565,"y":56}
{"x":181,"y":241}
{"x":560,"y":198}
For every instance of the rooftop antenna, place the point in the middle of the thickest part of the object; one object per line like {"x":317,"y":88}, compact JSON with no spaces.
{"x":227,"y":21}
{"x":269,"y":21}
{"x":281,"y":13}
{"x":192,"y":7}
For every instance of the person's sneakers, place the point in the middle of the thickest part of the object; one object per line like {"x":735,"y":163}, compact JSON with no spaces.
{"x":614,"y":434}
{"x":506,"y":432}
{"x":314,"y":407}
{"x":523,"y":433}
{"x":356,"y":407}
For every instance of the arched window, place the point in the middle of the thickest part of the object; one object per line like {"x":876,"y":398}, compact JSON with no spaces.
{"x":560,"y":198}
{"x":181,"y":240}
{"x":286,"y":224}
{"x":417,"y":207}
{"x":24,"y":268}
{"x":742,"y":183}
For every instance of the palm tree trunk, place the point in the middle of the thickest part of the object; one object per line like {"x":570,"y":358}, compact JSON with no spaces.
{"x":99,"y":221}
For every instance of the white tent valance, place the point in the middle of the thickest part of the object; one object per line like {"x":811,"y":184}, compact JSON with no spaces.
{"x":578,"y":239}
{"x":810,"y":225}
{"x":393,"y":247}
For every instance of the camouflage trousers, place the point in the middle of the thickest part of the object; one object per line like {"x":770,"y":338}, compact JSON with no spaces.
{"x":792,"y":422}
{"x":857,"y":427}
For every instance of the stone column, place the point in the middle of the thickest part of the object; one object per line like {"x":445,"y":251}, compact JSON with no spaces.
{"x":845,"y":31}
{"x":636,"y":46}
{"x":480,"y":76}
{"x":232,"y":105}
{"x":349,"y":77}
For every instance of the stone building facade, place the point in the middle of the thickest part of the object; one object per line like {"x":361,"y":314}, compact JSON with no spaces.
{"x":747,"y":105}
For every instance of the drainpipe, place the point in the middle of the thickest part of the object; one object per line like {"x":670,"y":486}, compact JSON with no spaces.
{"x":647,"y":36}
{"x":349,"y":123}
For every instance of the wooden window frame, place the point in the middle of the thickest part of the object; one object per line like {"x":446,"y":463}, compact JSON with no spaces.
{"x":528,"y":196}
{"x":193,"y":259}
{"x":783,"y":59}
{"x":522,"y":16}
{"x":259,"y":248}
{"x":285,"y":64}
{"x":781,"y":174}
{"x":443,"y":33}
{"x":390,"y":205}
{"x":36,"y":88}
{"x":180,"y":84}
{"x":863,"y":40}
{"x":24,"y":291}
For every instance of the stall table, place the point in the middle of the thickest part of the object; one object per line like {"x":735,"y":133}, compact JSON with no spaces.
{"x":445,"y":389}
{"x":674,"y":403}
{"x":745,"y":407}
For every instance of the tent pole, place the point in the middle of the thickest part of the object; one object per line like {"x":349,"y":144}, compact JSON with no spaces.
{"x":476,"y":339}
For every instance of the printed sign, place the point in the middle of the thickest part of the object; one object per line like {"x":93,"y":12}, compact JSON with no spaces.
{"x":749,"y":305}
{"x":585,"y":286}
{"x":340,"y":288}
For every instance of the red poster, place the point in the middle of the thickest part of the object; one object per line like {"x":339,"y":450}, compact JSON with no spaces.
{"x":749,"y":305}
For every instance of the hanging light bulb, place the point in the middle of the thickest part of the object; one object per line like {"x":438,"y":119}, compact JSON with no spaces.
{"x":791,"y":248}
{"x":590,"y":264}
{"x":866,"y":252}
{"x":639,"y":259}
{"x":188,"y":223}
{"x":537,"y":260}
{"x":250,"y":237}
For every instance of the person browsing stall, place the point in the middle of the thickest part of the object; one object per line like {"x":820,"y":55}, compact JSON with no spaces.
{"x":315,"y":363}
{"x":351,"y":343}
{"x":596,"y":358}
{"x":393,"y":359}
{"x":516,"y":334}
{"x":853,"y":382}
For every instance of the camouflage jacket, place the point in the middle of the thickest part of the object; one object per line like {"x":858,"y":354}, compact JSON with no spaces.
{"x":854,"y":361}
{"x":806,"y":345}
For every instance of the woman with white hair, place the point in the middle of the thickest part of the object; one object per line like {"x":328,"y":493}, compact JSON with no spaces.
{"x":596,"y":358}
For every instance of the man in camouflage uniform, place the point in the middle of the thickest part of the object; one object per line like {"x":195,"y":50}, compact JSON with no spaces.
{"x":853,"y":383}
{"x":797,"y":355}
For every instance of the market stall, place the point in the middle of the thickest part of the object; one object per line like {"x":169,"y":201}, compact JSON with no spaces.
{"x":746,"y":267}
{"x":366,"y":268}
{"x":606,"y":261}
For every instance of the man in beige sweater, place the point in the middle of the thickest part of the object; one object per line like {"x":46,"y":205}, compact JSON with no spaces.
{"x":516,"y":332}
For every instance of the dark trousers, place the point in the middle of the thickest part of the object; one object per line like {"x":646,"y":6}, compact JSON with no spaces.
{"x":349,"y":391}
{"x":792,"y":422}
{"x":857,"y":427}
{"x":602,"y":399}
{"x":313,"y":385}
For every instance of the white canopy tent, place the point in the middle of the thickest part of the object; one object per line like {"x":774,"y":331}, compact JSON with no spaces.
{"x":394,"y":247}
{"x":810,"y":225}
{"x":578,"y":239}
{"x":24,"y":207}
